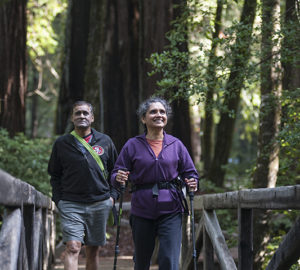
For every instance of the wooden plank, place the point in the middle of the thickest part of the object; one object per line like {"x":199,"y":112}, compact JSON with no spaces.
{"x":287,"y":197}
{"x":245,"y":241}
{"x":28,"y":217}
{"x":218,"y":241}
{"x":14,"y":192}
{"x":126,"y":206}
{"x":288,"y":252}
{"x":228,"y":200}
{"x":37,"y":237}
{"x":23,"y":258}
{"x":10,"y":236}
{"x":208,"y":252}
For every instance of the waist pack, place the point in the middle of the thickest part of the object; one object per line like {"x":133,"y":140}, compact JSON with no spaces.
{"x":177,"y":183}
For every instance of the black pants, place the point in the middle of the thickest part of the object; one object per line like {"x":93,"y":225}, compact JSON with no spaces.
{"x":168,"y":230}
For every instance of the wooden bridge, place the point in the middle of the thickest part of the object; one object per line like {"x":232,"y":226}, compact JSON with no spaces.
{"x":27,"y":235}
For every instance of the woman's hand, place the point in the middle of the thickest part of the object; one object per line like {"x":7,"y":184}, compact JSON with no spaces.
{"x":122,"y":176}
{"x":192,"y":184}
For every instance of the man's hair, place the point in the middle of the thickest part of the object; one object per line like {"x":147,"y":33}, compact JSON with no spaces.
{"x":82,"y":102}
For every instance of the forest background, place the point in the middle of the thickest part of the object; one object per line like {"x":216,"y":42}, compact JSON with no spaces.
{"x":230,"y":69}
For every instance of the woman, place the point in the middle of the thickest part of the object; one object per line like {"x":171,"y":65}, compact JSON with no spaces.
{"x":154,"y":161}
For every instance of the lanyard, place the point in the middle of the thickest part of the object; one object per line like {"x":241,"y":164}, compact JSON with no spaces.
{"x":92,"y":152}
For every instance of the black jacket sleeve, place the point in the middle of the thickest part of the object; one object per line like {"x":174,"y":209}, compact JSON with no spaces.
{"x":110,"y":165}
{"x":55,"y":171}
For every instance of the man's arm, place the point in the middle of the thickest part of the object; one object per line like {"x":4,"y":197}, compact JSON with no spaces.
{"x":113,"y":155}
{"x":55,"y":171}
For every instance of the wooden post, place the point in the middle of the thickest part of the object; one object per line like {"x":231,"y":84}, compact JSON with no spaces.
{"x":37,"y":243}
{"x":10,"y":235}
{"x":208,"y":252}
{"x":245,"y":241}
{"x":28,"y":217}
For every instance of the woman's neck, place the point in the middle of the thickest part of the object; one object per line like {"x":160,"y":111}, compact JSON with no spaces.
{"x":155,"y":134}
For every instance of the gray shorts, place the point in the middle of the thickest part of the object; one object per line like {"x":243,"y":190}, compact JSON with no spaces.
{"x":84,"y":222}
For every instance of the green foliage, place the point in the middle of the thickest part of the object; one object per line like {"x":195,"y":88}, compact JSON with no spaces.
{"x":280,"y":223}
{"x":188,"y":71}
{"x":26,"y":159}
{"x":45,"y":39}
{"x":42,"y":39}
{"x":228,"y":222}
{"x":289,"y":137}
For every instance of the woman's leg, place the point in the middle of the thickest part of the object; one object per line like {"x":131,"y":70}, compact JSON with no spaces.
{"x":143,"y":233}
{"x":169,"y":233}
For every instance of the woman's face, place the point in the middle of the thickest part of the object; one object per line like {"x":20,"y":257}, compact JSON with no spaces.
{"x":156,"y":116}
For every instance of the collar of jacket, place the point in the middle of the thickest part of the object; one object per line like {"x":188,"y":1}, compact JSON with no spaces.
{"x":168,"y":139}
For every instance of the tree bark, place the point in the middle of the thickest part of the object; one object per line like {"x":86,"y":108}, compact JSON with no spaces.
{"x":73,"y":71}
{"x":211,"y":78}
{"x":180,"y":122}
{"x":234,"y":85}
{"x":105,"y":62}
{"x":267,"y":164}
{"x":291,"y":70}
{"x":13,"y":81}
{"x":268,"y":148}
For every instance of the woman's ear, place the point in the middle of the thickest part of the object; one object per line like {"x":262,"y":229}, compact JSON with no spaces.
{"x":143,"y":119}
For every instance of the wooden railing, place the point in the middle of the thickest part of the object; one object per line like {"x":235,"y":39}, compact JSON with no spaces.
{"x":27,"y":233}
{"x":210,"y":239}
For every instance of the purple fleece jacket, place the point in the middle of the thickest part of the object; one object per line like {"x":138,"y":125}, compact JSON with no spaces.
{"x":137,"y":157}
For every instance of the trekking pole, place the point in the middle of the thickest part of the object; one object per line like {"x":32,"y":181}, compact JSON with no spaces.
{"x":117,"y":251}
{"x":191,"y":195}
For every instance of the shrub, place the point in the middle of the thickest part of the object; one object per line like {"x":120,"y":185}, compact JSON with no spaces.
{"x":26,"y":159}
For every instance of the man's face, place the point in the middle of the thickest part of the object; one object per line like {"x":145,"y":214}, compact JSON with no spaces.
{"x":82,"y":117}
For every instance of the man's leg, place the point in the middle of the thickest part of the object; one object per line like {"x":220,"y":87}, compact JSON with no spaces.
{"x":92,"y":257}
{"x":71,"y":255}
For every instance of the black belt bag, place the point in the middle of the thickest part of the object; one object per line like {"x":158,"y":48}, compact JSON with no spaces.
{"x":176,"y":183}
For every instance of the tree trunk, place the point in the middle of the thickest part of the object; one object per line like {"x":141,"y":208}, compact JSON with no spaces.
{"x":211,"y":77}
{"x":180,"y":122}
{"x":13,"y":81}
{"x":291,"y":76}
{"x":271,"y":77}
{"x":232,"y":96}
{"x":72,"y":81}
{"x":268,"y":148}
{"x":155,"y":18}
{"x":106,"y":61}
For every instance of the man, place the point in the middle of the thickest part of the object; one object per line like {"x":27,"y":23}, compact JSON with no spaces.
{"x":80,"y":186}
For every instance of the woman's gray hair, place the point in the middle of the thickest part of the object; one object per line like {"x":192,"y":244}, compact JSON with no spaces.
{"x":144,"y":106}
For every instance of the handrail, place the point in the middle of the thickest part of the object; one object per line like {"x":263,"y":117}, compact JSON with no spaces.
{"x":209,"y":236}
{"x":27,"y":234}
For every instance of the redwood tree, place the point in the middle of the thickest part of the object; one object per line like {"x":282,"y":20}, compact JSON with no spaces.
{"x":74,"y":62}
{"x":211,"y":75}
{"x":106,"y":61}
{"x":267,"y":164}
{"x":13,"y":81}
{"x":225,"y":128}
